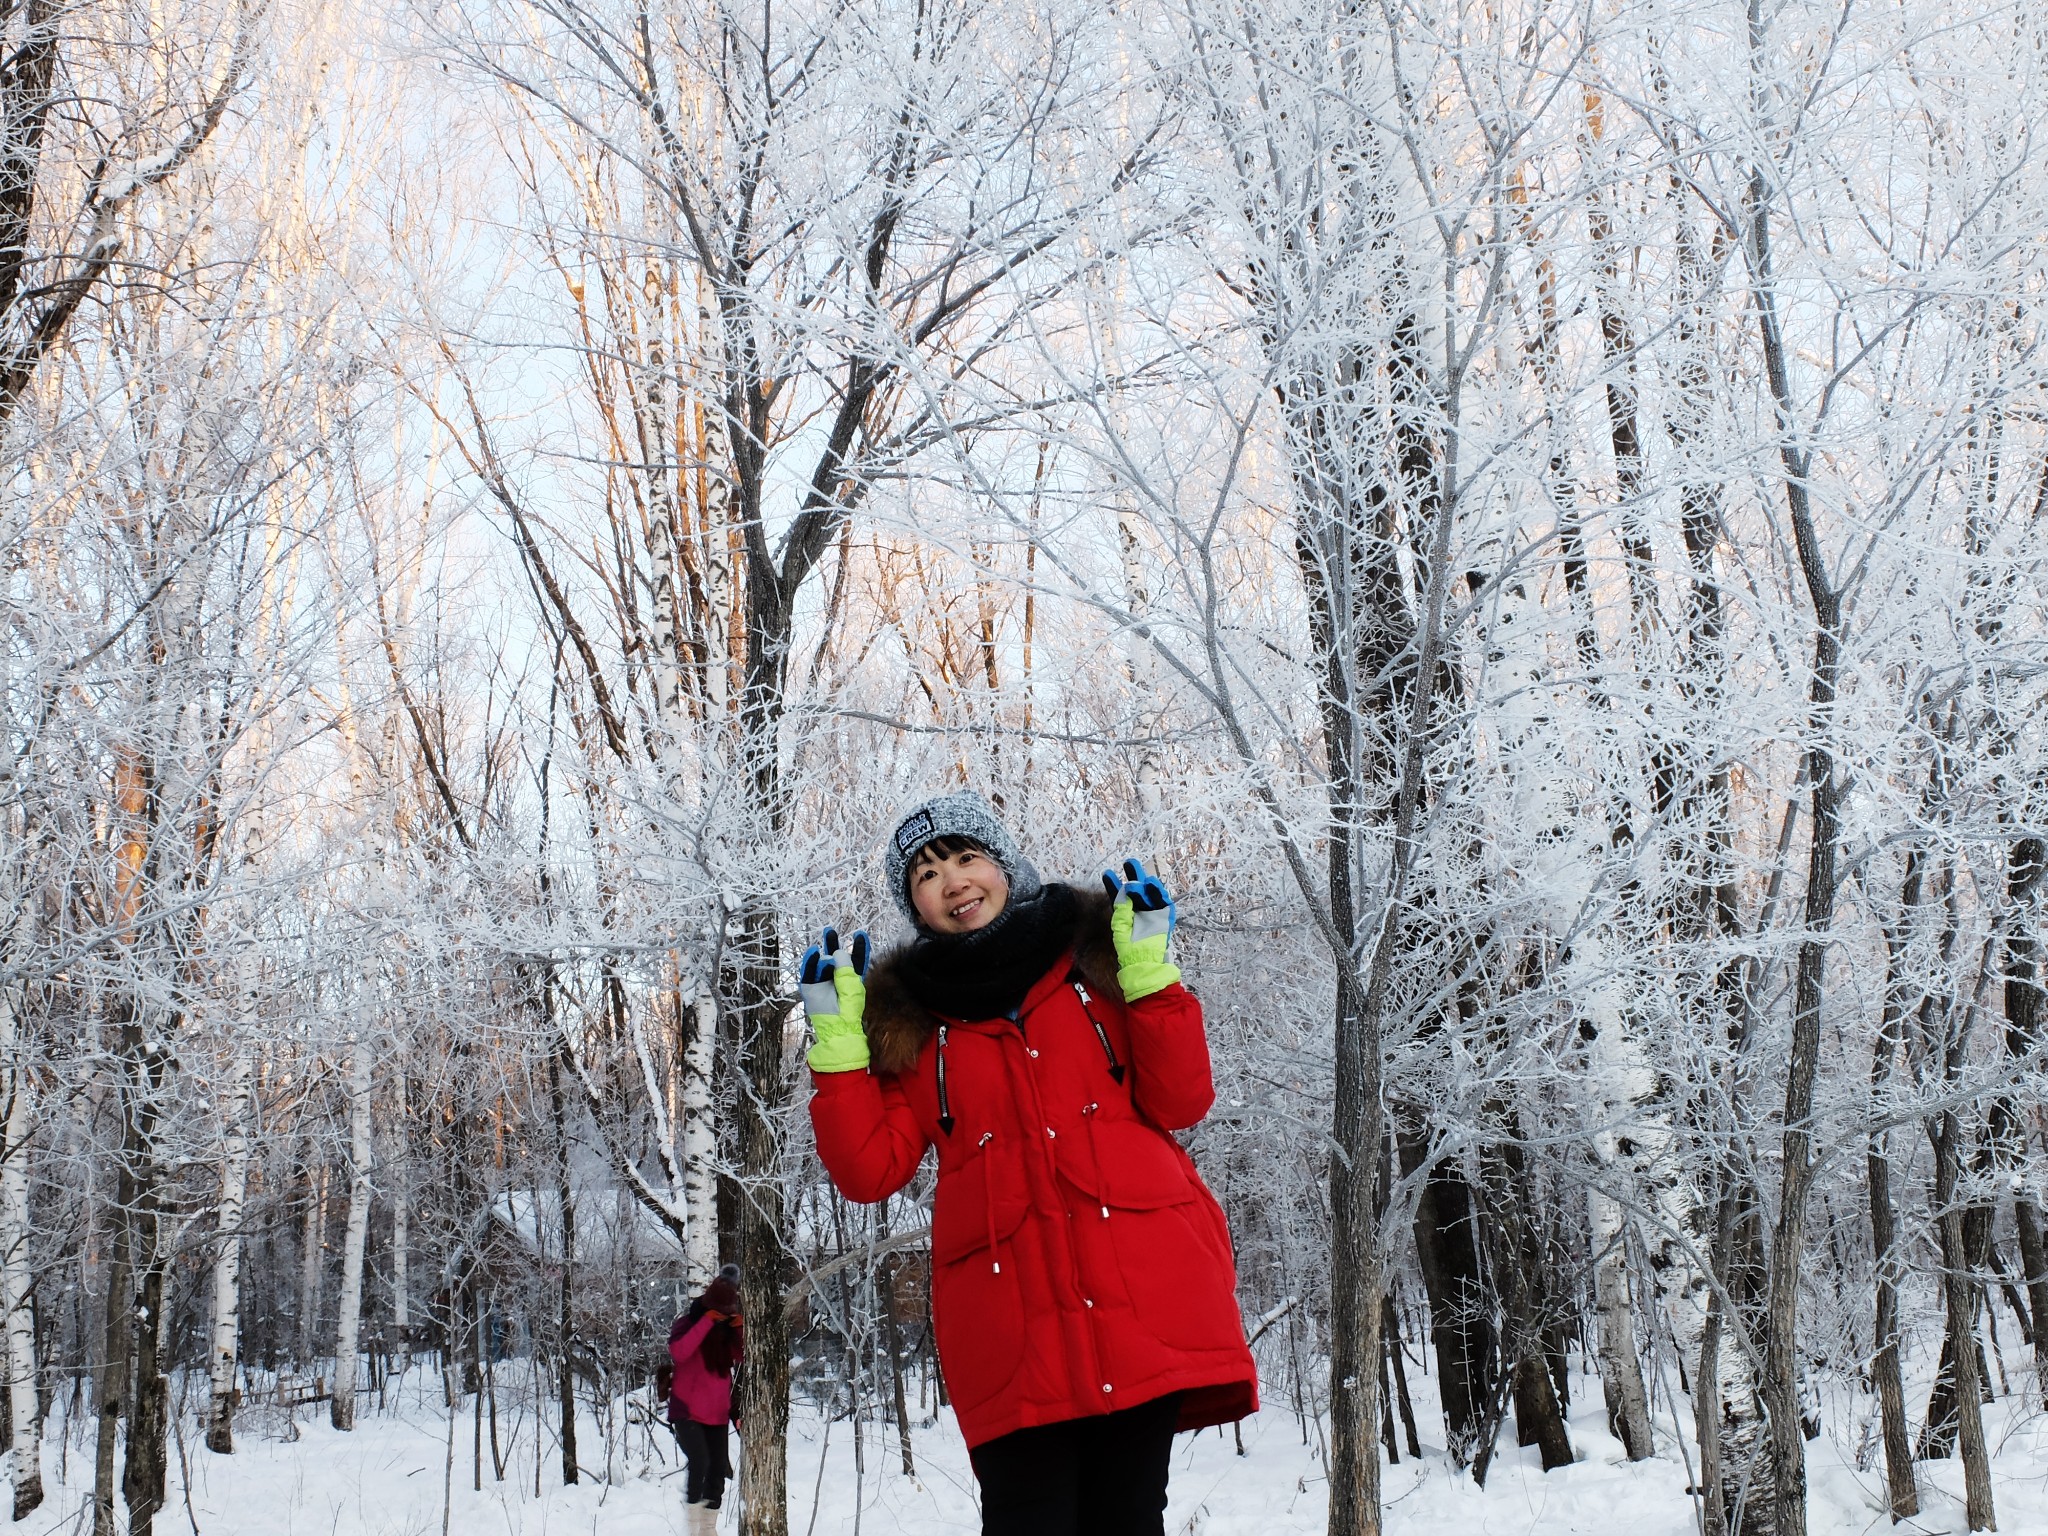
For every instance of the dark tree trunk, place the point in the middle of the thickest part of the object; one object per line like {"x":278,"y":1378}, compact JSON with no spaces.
{"x":2023,"y":1019}
{"x":2034,"y":1260}
{"x":1962,"y":1369}
{"x":1521,"y":1269}
{"x":565,"y":1316}
{"x":892,"y":1341}
{"x":1362,"y":629}
{"x":115,"y":1355}
{"x":1461,"y":1325}
{"x":767,"y":1268}
{"x":1903,"y":1494}
{"x":1391,"y":1331}
{"x":1780,"y":1374}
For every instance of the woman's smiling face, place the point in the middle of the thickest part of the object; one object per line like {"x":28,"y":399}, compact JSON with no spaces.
{"x":957,"y":891}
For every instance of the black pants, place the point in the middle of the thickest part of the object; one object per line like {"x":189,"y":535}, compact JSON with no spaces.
{"x":704,"y":1449}
{"x":1083,"y":1477}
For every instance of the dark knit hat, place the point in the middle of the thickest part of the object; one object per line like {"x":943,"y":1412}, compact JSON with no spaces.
{"x":960,"y":814}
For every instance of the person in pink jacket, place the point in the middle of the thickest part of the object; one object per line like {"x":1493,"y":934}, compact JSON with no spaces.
{"x":704,"y":1345}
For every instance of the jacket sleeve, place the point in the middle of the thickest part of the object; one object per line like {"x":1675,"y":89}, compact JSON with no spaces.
{"x":684,"y":1347}
{"x":868,"y":1135}
{"x":1171,"y":1082}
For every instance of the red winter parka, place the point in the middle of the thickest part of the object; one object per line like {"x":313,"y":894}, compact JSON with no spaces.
{"x":1079,"y":1264}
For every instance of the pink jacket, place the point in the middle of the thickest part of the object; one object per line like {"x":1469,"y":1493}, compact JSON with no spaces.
{"x":698,"y":1393}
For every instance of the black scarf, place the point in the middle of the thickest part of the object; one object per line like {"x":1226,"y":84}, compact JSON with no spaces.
{"x":985,"y":974}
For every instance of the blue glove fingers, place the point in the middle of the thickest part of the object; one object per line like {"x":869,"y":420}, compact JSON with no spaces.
{"x":813,"y":968}
{"x":814,"y":975}
{"x":1152,"y":909}
{"x":1147,"y":891}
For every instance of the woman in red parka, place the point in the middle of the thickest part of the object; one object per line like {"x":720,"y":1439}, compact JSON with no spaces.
{"x":1083,"y":1288}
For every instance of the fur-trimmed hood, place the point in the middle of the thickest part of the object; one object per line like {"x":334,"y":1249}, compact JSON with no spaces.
{"x":898,"y":1024}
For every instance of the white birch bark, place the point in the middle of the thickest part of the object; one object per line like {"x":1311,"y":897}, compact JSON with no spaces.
{"x":227,"y":1268}
{"x":663,"y":517}
{"x":714,"y":499}
{"x":27,"y":1447}
{"x":309,"y":1260}
{"x":700,"y":1148}
{"x":1621,"y":1372}
{"x":348,"y":1327}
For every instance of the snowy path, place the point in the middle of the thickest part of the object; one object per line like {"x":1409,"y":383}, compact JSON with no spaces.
{"x":386,"y":1479}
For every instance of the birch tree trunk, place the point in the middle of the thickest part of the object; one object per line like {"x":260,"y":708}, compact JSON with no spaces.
{"x":700,"y":1145}
{"x":1627,"y":1071}
{"x":24,"y":1420}
{"x":227,"y":1268}
{"x":1621,"y":1373}
{"x":348,"y":1326}
{"x":310,"y":1252}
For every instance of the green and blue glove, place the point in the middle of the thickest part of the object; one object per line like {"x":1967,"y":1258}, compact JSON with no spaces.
{"x":835,"y":995}
{"x":1141,"y":923}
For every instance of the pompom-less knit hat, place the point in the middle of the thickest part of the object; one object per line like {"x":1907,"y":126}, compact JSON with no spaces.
{"x":960,"y":814}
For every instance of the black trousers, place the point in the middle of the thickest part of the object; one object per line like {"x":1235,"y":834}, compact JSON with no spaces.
{"x":704,"y":1448}
{"x":1083,"y":1477}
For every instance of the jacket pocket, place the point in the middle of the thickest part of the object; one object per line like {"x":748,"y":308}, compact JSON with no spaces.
{"x":977,"y":1296}
{"x":1158,"y":1222}
{"x":1126,"y":1164}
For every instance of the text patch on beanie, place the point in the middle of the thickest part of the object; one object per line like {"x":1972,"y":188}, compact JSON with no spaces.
{"x":914,"y":833}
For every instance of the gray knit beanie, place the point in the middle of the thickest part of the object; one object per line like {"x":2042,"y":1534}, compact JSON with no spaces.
{"x":960,"y":814}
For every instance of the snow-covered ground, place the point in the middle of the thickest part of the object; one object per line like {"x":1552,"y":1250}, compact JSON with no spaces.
{"x":388,"y":1479}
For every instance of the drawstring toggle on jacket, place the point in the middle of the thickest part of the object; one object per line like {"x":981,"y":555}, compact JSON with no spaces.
{"x":988,"y":1196}
{"x":1101,"y":1173}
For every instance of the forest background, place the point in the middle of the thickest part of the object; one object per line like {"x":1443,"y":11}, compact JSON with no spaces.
{"x":1530,"y":516}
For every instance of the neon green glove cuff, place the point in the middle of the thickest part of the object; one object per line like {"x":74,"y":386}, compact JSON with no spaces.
{"x":1142,"y":966}
{"x":1145,"y":978}
{"x":842,"y":1041}
{"x":842,"y":1045}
